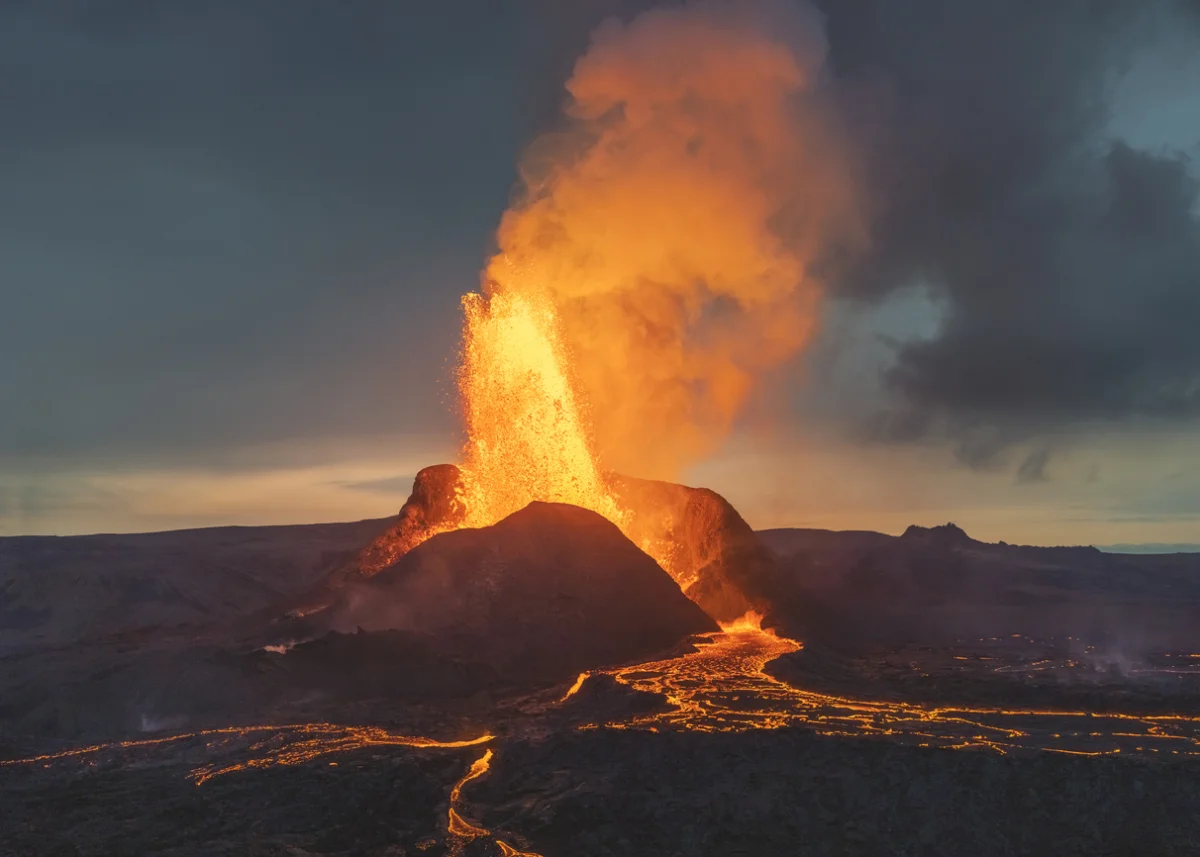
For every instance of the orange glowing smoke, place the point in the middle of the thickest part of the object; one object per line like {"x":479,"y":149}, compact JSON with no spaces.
{"x":660,"y":257}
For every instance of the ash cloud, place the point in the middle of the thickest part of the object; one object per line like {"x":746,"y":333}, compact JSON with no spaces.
{"x":680,"y":217}
{"x":1064,"y":259}
{"x":1068,"y":261}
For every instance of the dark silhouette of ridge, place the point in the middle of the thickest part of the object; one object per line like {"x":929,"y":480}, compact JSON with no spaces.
{"x":937,"y":583}
{"x":944,"y":534}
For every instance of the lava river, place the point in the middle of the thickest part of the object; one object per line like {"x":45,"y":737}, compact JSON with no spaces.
{"x":722,"y":687}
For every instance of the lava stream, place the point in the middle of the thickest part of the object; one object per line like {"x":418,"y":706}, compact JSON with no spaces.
{"x":722,"y":687}
{"x":461,"y":831}
{"x":280,"y":745}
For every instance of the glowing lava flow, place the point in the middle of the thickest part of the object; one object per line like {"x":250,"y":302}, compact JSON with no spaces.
{"x":454,"y":822}
{"x":574,"y":689}
{"x":290,"y":744}
{"x":463,"y":831}
{"x":722,"y":687}
{"x":527,"y":437}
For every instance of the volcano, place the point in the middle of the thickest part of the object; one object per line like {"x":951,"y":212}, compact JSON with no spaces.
{"x":548,"y":591}
{"x":711,"y":552}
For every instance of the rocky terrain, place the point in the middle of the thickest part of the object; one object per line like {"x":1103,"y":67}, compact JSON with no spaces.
{"x":938,"y":585}
{"x":55,"y":590}
{"x":534,"y":600}
{"x":787,"y":792}
{"x":545,"y":593}
{"x":328,"y":690}
{"x":621,"y":793}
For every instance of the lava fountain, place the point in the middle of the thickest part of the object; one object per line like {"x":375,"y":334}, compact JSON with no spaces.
{"x":658,"y":260}
{"x":527,"y":436}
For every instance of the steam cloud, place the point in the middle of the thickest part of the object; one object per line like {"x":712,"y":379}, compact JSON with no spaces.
{"x":679,"y":217}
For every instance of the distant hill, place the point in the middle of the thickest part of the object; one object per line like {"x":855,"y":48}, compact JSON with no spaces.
{"x":926,"y":582}
{"x":54,"y":589}
{"x":1151,"y":547}
{"x":934,"y":583}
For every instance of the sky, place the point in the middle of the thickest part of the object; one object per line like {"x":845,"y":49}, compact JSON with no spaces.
{"x":235,"y":237}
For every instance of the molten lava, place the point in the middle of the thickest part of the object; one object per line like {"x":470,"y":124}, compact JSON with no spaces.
{"x":723,"y":687}
{"x":750,"y":623}
{"x":658,"y":261}
{"x":454,"y":822}
{"x":527,"y":436}
{"x":462,"y":832}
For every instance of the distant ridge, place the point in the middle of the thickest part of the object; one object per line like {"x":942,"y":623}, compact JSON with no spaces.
{"x":951,"y":534}
{"x":1152,"y":547}
{"x":946,"y":534}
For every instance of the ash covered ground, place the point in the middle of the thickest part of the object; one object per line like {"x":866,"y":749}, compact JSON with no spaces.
{"x":543,"y":687}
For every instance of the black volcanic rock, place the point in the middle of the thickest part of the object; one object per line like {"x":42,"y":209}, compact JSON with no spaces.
{"x":57,"y":589}
{"x":434,"y":506}
{"x":934,"y":584}
{"x":945,"y":535}
{"x":549,"y":591}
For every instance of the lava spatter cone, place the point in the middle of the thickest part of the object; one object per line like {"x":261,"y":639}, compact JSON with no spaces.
{"x":694,"y":533}
{"x":547,"y":591}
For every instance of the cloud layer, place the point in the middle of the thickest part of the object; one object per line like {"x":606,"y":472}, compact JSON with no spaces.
{"x":1067,"y":262}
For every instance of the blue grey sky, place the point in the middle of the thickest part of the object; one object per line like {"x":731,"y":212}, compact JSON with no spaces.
{"x":235,"y":236}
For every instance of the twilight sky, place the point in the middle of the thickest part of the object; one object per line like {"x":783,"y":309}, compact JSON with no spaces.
{"x":235,"y":236}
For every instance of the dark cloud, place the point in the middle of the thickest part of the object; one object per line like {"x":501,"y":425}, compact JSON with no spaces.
{"x":1069,"y":263}
{"x":230,"y":223}
{"x":1033,"y":467}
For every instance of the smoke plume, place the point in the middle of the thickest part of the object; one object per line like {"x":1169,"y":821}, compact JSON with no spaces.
{"x":678,"y":218}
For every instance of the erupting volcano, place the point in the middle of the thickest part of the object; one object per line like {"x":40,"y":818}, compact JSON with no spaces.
{"x":556,"y":645}
{"x":658,"y":260}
